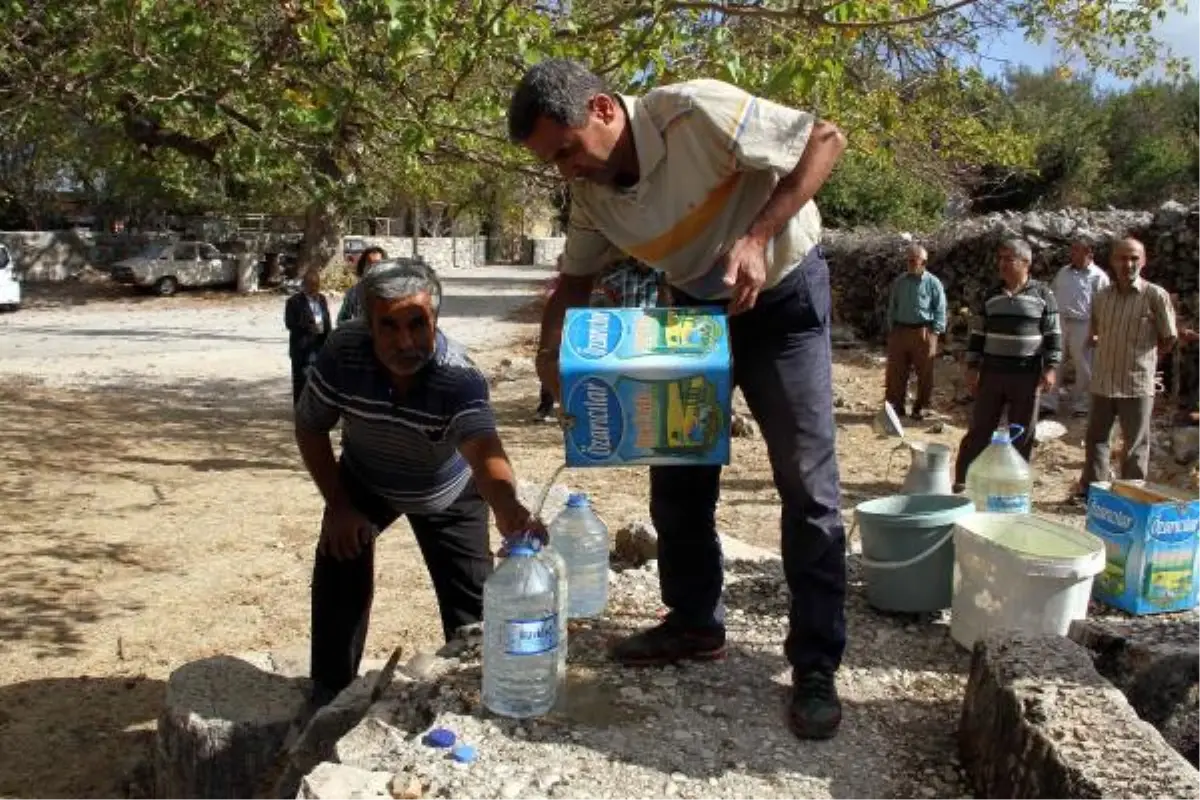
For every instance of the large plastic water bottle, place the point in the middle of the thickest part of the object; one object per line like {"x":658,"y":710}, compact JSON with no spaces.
{"x":521,"y":635}
{"x":582,"y":539}
{"x":999,"y":479}
{"x":556,"y":562}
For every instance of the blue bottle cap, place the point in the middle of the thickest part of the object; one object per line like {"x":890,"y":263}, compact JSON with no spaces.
{"x":1000,"y":437}
{"x":464,"y":754}
{"x":522,"y":549}
{"x":577,"y":500}
{"x":440,"y":737}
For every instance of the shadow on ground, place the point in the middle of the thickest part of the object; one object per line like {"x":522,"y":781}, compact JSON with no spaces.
{"x":98,"y":443}
{"x":54,"y":733}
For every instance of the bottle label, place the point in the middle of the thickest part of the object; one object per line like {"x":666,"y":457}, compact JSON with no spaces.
{"x":1008,"y":503}
{"x":531,"y":637}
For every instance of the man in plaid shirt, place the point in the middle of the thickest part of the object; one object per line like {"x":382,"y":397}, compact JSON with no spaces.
{"x":628,"y":283}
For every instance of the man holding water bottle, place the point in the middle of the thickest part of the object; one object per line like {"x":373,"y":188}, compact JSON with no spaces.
{"x":714,"y":187}
{"x":418,"y":439}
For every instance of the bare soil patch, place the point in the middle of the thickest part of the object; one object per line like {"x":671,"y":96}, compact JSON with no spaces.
{"x":147,"y":527}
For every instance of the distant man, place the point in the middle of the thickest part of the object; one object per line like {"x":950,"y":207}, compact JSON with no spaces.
{"x":1014,"y":349}
{"x":418,"y":439}
{"x":1132,"y":325}
{"x":306,"y":317}
{"x":916,"y":318}
{"x":1075,"y":288}
{"x":715,"y":187}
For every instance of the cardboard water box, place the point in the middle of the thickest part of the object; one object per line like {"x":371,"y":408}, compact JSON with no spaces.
{"x":1151,"y":540}
{"x":646,"y":386}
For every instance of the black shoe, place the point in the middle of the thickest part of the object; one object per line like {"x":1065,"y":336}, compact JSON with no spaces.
{"x":917,"y":414}
{"x":667,"y":643}
{"x":814,"y":711}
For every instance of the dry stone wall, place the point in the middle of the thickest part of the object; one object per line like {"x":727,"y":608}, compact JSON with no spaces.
{"x":963,"y":254}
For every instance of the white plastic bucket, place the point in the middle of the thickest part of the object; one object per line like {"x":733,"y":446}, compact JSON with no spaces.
{"x":1022,"y":572}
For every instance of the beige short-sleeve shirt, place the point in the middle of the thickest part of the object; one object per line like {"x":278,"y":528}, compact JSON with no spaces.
{"x":710,"y":155}
{"x":1128,"y":326}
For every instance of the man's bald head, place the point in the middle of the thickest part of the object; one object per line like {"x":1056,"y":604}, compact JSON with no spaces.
{"x":1127,"y":261}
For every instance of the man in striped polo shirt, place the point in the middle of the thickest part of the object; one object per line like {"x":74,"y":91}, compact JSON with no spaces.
{"x":418,"y":439}
{"x":1012,"y":354}
{"x":1133,"y":323}
{"x":714,"y":187}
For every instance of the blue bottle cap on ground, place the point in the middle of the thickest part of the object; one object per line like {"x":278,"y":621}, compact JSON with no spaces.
{"x":464,"y":754}
{"x":577,"y":500}
{"x":440,"y":737}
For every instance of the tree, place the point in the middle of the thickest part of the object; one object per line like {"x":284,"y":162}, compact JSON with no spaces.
{"x":335,"y":105}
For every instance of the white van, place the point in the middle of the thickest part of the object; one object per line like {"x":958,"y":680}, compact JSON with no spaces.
{"x":10,"y":281}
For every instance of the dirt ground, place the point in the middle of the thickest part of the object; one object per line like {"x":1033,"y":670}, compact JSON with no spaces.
{"x":146,"y":525}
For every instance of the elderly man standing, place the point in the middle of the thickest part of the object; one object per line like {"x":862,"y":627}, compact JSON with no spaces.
{"x":418,"y":439}
{"x":714,"y":187}
{"x":916,"y":318}
{"x":1075,"y":288}
{"x":1014,"y":349}
{"x":1132,"y":324}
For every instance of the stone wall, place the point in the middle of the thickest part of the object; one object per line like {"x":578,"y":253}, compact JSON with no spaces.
{"x":963,"y":254}
{"x":546,"y":251}
{"x":440,"y":252}
{"x":50,"y":255}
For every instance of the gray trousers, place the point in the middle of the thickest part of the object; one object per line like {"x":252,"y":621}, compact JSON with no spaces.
{"x":1134,"y":416}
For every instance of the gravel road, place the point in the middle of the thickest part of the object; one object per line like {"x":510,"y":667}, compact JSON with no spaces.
{"x":150,"y":340}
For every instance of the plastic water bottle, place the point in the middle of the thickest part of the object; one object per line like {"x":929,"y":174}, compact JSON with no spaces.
{"x":582,"y":539}
{"x":999,"y":480}
{"x":521,"y":635}
{"x":556,"y":562}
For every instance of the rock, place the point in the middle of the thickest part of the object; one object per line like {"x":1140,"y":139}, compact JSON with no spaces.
{"x":466,"y":643}
{"x":636,"y":543}
{"x":1153,"y":661}
{"x":1185,"y":444}
{"x":331,"y":781}
{"x":223,"y":726}
{"x":1039,"y":721}
{"x":371,"y":745}
{"x":1170,"y":213}
{"x":405,"y":786}
{"x":315,"y":743}
{"x":427,"y":666}
{"x":743,"y":426}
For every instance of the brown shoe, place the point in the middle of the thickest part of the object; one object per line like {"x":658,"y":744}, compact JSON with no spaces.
{"x":668,"y":643}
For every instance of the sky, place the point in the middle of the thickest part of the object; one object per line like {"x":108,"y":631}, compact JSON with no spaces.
{"x":1180,"y":31}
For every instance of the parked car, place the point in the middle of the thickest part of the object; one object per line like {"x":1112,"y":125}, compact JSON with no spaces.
{"x":10,"y":282}
{"x":164,"y":267}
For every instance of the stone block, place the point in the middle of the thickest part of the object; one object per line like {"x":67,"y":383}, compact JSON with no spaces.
{"x":1039,"y":721}
{"x":223,"y":725}
{"x":339,"y":781}
{"x":1153,"y":660}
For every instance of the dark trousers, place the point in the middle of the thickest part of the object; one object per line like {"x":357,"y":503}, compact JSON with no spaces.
{"x":1014,"y":392}
{"x":1134,"y":414}
{"x":782,"y":362}
{"x":299,"y":376}
{"x":454,"y":544}
{"x":910,"y":348}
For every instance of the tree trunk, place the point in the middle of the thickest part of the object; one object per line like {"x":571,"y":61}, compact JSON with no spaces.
{"x":224,"y":725}
{"x":322,"y":236}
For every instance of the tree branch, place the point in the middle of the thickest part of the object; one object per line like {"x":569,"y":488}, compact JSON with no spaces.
{"x":748,"y":10}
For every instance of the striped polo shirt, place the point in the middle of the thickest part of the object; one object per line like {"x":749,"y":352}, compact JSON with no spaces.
{"x":1016,"y":331}
{"x":1127,"y":326}
{"x":709,"y":156}
{"x":402,"y":448}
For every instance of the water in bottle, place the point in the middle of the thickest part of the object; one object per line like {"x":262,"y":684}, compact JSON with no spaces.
{"x":521,"y":635}
{"x":999,"y":479}
{"x":556,"y":562}
{"x":581,"y":538}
